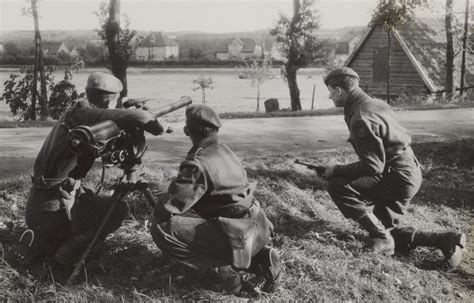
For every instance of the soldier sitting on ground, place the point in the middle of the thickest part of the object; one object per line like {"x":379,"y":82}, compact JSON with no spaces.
{"x":61,"y":214}
{"x":232,"y":231}
{"x":387,"y":175}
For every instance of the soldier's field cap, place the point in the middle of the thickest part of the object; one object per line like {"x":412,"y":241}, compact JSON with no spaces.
{"x":104,"y":82}
{"x":339,"y":73}
{"x":200,"y":114}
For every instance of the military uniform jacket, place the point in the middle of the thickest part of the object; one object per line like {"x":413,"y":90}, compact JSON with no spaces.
{"x":213,"y":183}
{"x":377,"y":137}
{"x":55,"y":161}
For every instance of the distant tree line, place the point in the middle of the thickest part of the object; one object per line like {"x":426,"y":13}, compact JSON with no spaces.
{"x":92,"y":55}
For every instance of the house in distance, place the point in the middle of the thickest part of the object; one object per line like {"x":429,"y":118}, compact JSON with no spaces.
{"x":157,"y":47}
{"x":239,"y":48}
{"x":54,"y":48}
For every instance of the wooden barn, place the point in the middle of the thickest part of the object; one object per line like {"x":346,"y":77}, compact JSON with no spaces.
{"x":417,"y":62}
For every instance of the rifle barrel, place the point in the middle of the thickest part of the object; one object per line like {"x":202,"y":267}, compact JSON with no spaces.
{"x":182,"y":102}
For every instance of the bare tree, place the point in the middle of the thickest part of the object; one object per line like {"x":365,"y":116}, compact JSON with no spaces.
{"x":464,"y":47}
{"x":257,"y":73}
{"x":203,"y":82}
{"x":38,"y":68}
{"x":449,"y":19}
{"x":299,"y":44}
{"x":121,"y":42}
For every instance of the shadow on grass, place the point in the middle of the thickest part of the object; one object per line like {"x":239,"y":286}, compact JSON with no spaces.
{"x":302,"y":181}
{"x":122,"y":269}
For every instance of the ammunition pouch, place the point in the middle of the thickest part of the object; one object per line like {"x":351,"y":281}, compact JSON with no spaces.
{"x":247,"y":235}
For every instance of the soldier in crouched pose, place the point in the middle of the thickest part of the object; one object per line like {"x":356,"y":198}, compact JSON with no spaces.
{"x":232,"y":232}
{"x":387,"y":175}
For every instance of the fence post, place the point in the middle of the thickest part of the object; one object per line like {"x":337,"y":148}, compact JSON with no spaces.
{"x":312,"y":98}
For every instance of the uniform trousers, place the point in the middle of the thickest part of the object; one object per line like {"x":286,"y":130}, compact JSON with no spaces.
{"x":203,"y":244}
{"x":53,"y":227}
{"x":389,"y":193}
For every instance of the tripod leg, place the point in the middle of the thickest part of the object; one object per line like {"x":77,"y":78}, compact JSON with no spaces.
{"x":149,"y":196}
{"x":117,"y":196}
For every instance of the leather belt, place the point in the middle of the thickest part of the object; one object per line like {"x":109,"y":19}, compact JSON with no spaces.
{"x":40,"y":182}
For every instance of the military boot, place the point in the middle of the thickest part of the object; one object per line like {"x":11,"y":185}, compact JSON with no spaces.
{"x":266,"y":264}
{"x":223,"y":278}
{"x":68,"y":252}
{"x":381,"y":241}
{"x":451,"y":244}
{"x":30,"y":245}
{"x":403,"y":237}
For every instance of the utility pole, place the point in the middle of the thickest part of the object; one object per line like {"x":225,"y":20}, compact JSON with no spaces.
{"x":464,"y":47}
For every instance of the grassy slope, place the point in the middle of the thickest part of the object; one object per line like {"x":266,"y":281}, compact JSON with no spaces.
{"x":322,"y":260}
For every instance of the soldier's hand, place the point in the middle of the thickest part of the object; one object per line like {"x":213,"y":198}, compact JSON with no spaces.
{"x":67,"y":192}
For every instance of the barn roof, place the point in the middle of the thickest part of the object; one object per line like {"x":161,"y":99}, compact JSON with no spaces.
{"x":424,"y":42}
{"x":348,"y":36}
{"x":159,"y":40}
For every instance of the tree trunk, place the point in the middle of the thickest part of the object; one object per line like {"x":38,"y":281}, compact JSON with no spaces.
{"x":293,"y":87}
{"x":44,"y":112}
{"x":389,"y":54}
{"x":258,"y":98}
{"x":203,"y":95}
{"x":117,"y":62}
{"x":449,"y":49}
{"x":39,"y":65}
{"x":464,"y":48}
{"x":34,"y":86}
{"x":291,"y":65}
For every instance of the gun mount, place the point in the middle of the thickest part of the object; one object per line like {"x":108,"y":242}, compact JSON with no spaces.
{"x":112,"y":144}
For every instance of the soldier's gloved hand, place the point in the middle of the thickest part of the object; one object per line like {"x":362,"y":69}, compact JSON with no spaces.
{"x":329,"y":173}
{"x":166,"y":127}
{"x":67,"y":191}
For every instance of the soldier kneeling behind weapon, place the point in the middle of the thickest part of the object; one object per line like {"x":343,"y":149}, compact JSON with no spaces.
{"x":232,"y":232}
{"x":63,"y":215}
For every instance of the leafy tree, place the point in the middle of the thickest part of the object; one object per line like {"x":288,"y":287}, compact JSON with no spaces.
{"x":92,"y":53}
{"x":63,"y":95}
{"x":390,"y":14}
{"x":195,"y":54}
{"x":298,"y":43}
{"x":203,"y":82}
{"x":17,"y":93}
{"x":121,"y":42}
{"x":257,"y":73}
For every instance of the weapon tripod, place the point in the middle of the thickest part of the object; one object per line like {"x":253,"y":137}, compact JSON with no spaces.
{"x":128,"y":183}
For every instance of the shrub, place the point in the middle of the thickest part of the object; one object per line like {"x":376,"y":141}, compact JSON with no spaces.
{"x":63,"y":95}
{"x":17,"y":93}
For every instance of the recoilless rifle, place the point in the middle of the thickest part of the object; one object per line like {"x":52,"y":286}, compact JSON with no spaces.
{"x":116,"y":147}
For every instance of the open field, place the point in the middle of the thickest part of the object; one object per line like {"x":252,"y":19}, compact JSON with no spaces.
{"x":322,"y":262}
{"x":230,"y":94}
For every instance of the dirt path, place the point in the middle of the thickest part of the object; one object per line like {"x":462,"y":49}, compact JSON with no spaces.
{"x":264,"y":137}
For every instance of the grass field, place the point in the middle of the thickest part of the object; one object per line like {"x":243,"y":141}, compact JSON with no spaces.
{"x":322,"y":261}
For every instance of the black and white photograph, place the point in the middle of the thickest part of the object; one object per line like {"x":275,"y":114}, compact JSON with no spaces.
{"x":236,"y":150}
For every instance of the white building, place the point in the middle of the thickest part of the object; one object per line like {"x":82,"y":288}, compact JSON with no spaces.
{"x":157,"y":47}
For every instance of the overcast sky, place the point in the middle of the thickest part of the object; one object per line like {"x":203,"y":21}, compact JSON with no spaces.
{"x":183,"y":15}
